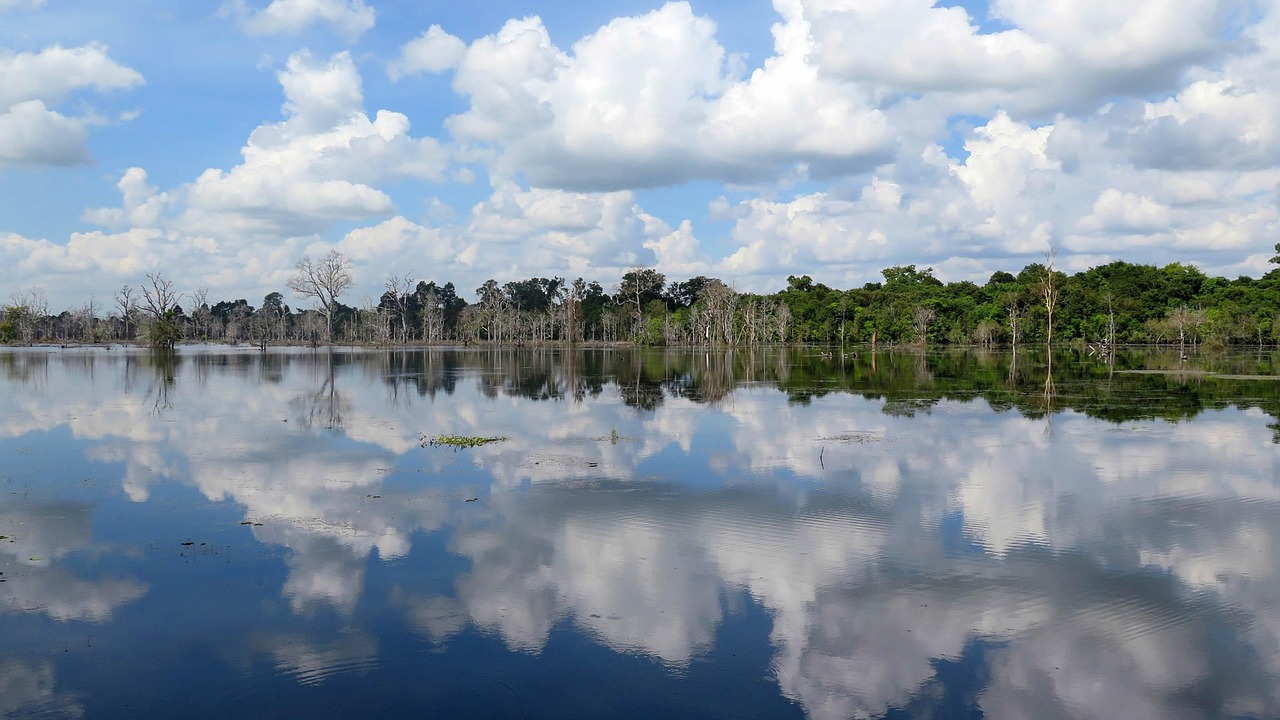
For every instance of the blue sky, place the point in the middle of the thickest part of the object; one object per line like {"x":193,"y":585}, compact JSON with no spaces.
{"x":218,"y":142}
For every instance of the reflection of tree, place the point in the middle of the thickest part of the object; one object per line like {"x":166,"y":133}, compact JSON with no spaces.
{"x":638,"y":387}
{"x":325,"y":407}
{"x":908,"y":407}
{"x":1050,"y":393}
{"x":641,"y":395}
{"x":25,"y":367}
{"x":869,"y":609}
{"x":164,"y":363}
{"x":923,"y":374}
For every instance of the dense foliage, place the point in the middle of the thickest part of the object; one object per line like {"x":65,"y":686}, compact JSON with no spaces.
{"x":1117,"y":303}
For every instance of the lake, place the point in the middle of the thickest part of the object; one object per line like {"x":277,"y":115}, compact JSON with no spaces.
{"x":751,"y":534}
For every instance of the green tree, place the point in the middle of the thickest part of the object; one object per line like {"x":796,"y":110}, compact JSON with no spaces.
{"x":639,"y":287}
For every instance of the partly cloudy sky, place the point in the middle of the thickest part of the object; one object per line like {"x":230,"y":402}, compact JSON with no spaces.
{"x":218,"y":141}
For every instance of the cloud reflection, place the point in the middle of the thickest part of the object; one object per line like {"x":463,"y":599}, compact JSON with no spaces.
{"x":44,"y":536}
{"x":30,"y":690}
{"x":1098,"y":570}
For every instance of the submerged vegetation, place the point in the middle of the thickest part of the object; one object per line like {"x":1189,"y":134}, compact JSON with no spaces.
{"x":458,"y":442}
{"x":1104,"y":306}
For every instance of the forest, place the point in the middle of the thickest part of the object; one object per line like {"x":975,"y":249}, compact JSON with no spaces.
{"x":1114,"y":304}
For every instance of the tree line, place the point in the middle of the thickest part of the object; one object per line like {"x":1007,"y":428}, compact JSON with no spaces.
{"x":1107,"y":305}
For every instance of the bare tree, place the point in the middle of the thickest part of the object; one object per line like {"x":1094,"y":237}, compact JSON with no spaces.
{"x":399,"y":289}
{"x":128,"y":305}
{"x":159,"y":294}
{"x":324,"y":281}
{"x":782,"y":322}
{"x":432,"y":318}
{"x":495,"y":309}
{"x":719,"y":302}
{"x":1049,"y":291}
{"x":29,"y":310}
{"x":986,"y":332}
{"x":1182,"y":319}
{"x":922,"y":317}
{"x":571,"y":309}
{"x":88,"y":318}
{"x":1013,"y":305}
{"x":161,"y":301}
{"x":1111,"y":323}
{"x":200,"y":310}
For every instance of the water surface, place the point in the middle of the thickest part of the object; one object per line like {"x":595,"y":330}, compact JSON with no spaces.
{"x":762,"y":534}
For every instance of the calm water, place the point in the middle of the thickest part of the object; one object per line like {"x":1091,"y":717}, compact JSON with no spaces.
{"x":750,"y":535}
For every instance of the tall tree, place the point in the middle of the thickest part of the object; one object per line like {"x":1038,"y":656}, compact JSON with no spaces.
{"x":921,"y":317}
{"x":638,"y":287}
{"x":397,"y":298}
{"x":274,"y":311}
{"x":1049,"y":292}
{"x":324,"y":281}
{"x":128,"y":305}
{"x":161,"y":303}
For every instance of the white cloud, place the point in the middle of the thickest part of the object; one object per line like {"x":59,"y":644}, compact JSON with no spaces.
{"x":143,"y":204}
{"x":677,"y":253}
{"x":1126,"y":212}
{"x":400,"y":243}
{"x":54,"y":73}
{"x":1058,"y":56}
{"x":241,"y":229}
{"x":351,"y":18}
{"x":319,"y":165}
{"x":562,"y":230}
{"x":1114,"y":130}
{"x":921,"y":210}
{"x":11,"y":4}
{"x":614,"y":114}
{"x":31,"y":132}
{"x":432,"y":52}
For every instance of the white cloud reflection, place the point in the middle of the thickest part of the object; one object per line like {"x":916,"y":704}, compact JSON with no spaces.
{"x":1090,"y":566}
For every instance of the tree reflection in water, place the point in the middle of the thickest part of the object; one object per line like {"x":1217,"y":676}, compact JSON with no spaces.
{"x":889,"y":531}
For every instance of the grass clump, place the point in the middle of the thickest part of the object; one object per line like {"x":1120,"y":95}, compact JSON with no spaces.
{"x":457,"y":442}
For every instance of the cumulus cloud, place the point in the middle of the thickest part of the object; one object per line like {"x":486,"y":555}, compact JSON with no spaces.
{"x":52,"y":74}
{"x":564,"y":232}
{"x":142,"y":207}
{"x":31,"y":132}
{"x":1129,"y":212}
{"x":351,"y":18}
{"x":612,"y":114}
{"x":319,"y":165}
{"x":432,"y":52}
{"x":1055,"y":56}
{"x":871,"y":134}
{"x":322,"y":164}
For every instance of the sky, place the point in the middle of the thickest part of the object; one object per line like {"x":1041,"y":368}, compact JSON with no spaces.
{"x":219,"y":141}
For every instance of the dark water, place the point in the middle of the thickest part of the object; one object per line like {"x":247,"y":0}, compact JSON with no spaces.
{"x":750,"y":535}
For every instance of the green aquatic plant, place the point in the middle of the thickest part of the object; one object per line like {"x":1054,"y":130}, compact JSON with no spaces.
{"x":458,"y":442}
{"x":612,"y":438}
